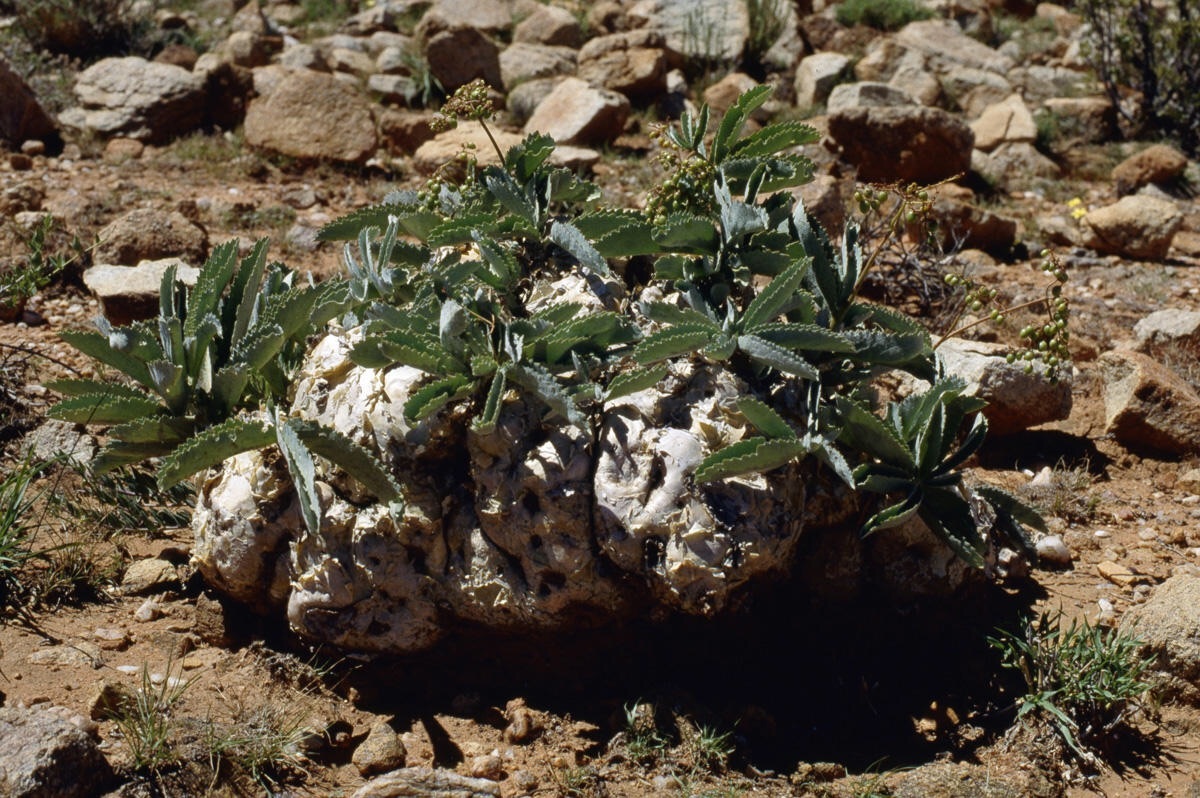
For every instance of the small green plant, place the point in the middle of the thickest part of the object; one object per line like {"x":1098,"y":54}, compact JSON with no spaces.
{"x":767,"y":20}
{"x":262,"y":742}
{"x":1085,"y":680}
{"x":34,"y":272}
{"x":16,"y":531}
{"x":881,"y":14}
{"x":642,"y":738}
{"x":147,"y":721}
{"x":1152,"y":48}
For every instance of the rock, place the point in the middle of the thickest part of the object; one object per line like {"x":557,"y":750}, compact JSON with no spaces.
{"x":917,"y":81}
{"x":549,"y":25}
{"x":847,"y":96}
{"x":1002,"y":122}
{"x":1013,"y":165}
{"x":381,"y":751}
{"x":21,"y":115}
{"x":1168,"y":624}
{"x":109,"y":699}
{"x":523,"y":725}
{"x":1166,"y":330}
{"x":149,"y":610}
{"x":827,"y":198}
{"x":131,"y":293}
{"x":523,"y":62}
{"x":140,"y":99}
{"x":76,"y":655}
{"x":710,"y":29}
{"x":400,"y":89}
{"x":147,"y":234}
{"x":216,"y":621}
{"x":404,"y":131}
{"x":816,"y":76}
{"x":151,"y":575}
{"x":576,"y":113}
{"x":1158,"y":163}
{"x":1090,"y":119}
{"x":1119,"y":575}
{"x":55,"y":439}
{"x":458,"y":56}
{"x":524,"y":99}
{"x":111,"y":638}
{"x":1052,"y":551}
{"x":427,"y":783}
{"x":1016,"y":400}
{"x":1147,"y":406}
{"x":724,"y":93}
{"x":968,"y":226}
{"x":948,"y":48}
{"x":973,"y":90}
{"x":902,"y":143}
{"x":487,"y":766}
{"x":1136,"y":226}
{"x":44,"y":756}
{"x":488,"y":16}
{"x":120,"y":150}
{"x":634,"y":63}
{"x":312,"y":116}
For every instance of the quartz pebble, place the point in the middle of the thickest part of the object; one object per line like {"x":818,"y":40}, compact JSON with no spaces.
{"x":1052,"y":551}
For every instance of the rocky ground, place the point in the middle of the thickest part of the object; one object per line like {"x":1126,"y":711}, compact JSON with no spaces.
{"x":792,"y":697}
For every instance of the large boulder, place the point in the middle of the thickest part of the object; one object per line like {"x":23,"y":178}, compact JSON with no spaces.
{"x":1135,"y":226}
{"x":21,"y":116}
{"x":577,"y":113}
{"x":1148,"y":407}
{"x":43,"y":754}
{"x":131,"y":293}
{"x":633,"y":63}
{"x":1017,"y":400}
{"x":150,"y":234}
{"x":1169,"y":627}
{"x":816,"y":75}
{"x":521,"y":62}
{"x":949,"y":48}
{"x":1003,"y":122}
{"x":1158,"y":163}
{"x":908,"y":143}
{"x":312,"y":116}
{"x":140,"y":99}
{"x":460,"y":55}
{"x":714,"y":30}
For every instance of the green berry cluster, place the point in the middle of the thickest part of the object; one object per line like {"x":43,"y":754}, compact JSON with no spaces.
{"x":687,"y":187}
{"x":1049,"y":341}
{"x":977,"y":297}
{"x":471,"y":101}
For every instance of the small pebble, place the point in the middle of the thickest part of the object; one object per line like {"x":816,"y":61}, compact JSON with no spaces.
{"x":1102,"y":533}
{"x":129,"y":670}
{"x":149,"y":611}
{"x":1052,"y":551}
{"x":1043,"y":478}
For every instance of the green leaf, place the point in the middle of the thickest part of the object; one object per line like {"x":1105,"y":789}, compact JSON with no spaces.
{"x":765,"y":419}
{"x":432,"y":397}
{"x":618,"y":233}
{"x":503,"y":263}
{"x":1004,"y":502}
{"x":775,"y":356}
{"x":96,"y":346}
{"x":416,"y":223}
{"x":524,"y":160}
{"x":117,"y":454}
{"x":509,"y":194}
{"x":105,"y":408}
{"x":205,"y":296}
{"x":212,"y":446}
{"x":877,"y":347}
{"x":485,"y":422}
{"x":160,"y":429}
{"x":775,"y":138}
{"x":776,"y":297}
{"x":598,"y":331}
{"x":690,"y":234}
{"x":540,"y":382}
{"x":971,"y":443}
{"x":750,"y":456}
{"x":82,"y":387}
{"x":735,"y":118}
{"x":805,"y":337}
{"x":347,"y":455}
{"x":229,"y":383}
{"x":668,"y":313}
{"x":303,"y":472}
{"x":634,"y":381}
{"x":672,"y":343}
{"x":949,"y":516}
{"x":893,"y":515}
{"x":243,"y":293}
{"x":170,"y":382}
{"x":567,"y":236}
{"x":257,"y":348}
{"x":864,"y":431}
{"x":455,"y":232}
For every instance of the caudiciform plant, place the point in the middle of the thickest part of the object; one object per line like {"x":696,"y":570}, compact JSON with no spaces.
{"x":530,"y":409}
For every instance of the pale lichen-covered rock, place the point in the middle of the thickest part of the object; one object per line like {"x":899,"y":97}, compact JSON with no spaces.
{"x":696,"y":544}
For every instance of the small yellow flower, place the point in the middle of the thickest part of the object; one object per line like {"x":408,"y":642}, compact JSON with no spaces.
{"x":1078,"y":210}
